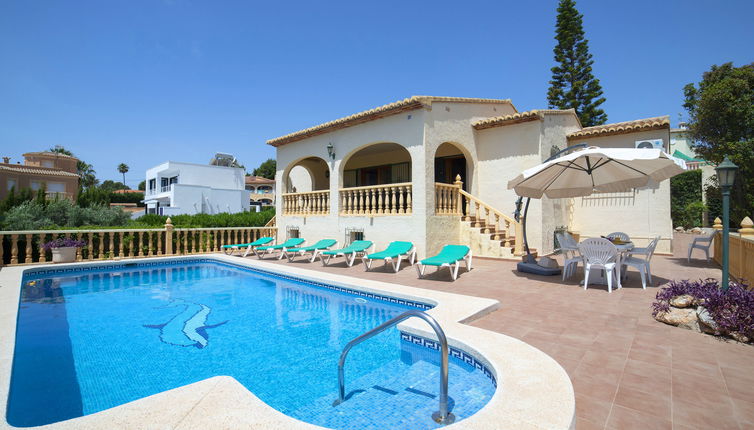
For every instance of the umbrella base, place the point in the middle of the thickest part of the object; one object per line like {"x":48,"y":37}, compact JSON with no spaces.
{"x":537,"y":269}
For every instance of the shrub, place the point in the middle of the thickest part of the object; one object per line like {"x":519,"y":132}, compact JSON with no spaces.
{"x":732,"y":310}
{"x":32,"y":215}
{"x":241,"y":219}
{"x":685,"y":189}
{"x":127,"y":198}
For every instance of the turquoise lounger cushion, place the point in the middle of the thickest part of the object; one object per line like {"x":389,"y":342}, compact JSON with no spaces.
{"x":393,"y":250}
{"x":448,"y":255}
{"x":290,"y":243}
{"x":260,"y":241}
{"x":355,"y":246}
{"x":322,"y":244}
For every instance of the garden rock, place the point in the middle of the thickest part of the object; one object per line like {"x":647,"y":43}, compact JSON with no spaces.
{"x":682,"y":301}
{"x":679,"y":229}
{"x":684,"y":318}
{"x":696,"y":230}
{"x":740,"y":337}
{"x":706,"y":323}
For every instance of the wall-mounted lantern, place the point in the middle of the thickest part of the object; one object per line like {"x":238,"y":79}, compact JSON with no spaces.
{"x":331,"y":151}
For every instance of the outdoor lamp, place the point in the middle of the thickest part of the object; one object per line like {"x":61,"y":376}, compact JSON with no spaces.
{"x":726,"y":175}
{"x":331,"y":150}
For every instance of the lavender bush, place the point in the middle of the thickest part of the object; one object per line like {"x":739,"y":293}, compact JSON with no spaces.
{"x":63,"y":243}
{"x":732,"y":310}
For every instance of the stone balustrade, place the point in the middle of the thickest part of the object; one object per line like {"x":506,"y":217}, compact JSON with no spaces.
{"x":493,"y":222}
{"x":740,"y":250}
{"x":25,"y":247}
{"x":377,"y":200}
{"x":448,"y":199}
{"x":307,"y":203}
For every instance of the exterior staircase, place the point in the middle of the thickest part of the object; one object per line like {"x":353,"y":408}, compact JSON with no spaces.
{"x":488,"y":231}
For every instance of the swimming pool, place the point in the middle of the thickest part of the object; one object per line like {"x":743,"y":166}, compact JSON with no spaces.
{"x":89,"y":340}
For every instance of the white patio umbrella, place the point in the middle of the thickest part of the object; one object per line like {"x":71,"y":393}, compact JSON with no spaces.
{"x":582,"y":172}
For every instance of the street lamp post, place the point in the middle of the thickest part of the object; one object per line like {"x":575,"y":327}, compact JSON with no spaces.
{"x":726,"y":175}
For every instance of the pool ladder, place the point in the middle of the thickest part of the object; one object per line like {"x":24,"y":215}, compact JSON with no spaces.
{"x":442,"y":416}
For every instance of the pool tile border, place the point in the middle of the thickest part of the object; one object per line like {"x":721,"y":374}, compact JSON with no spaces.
{"x":452,"y":351}
{"x":129,"y":265}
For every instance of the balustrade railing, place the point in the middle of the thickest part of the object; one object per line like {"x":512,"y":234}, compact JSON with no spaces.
{"x":451,"y":199}
{"x":25,"y":247}
{"x":377,"y":200}
{"x":494,"y":222}
{"x":308,"y":203}
{"x":448,"y":199}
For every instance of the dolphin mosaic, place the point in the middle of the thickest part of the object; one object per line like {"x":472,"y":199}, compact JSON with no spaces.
{"x":189,"y":327}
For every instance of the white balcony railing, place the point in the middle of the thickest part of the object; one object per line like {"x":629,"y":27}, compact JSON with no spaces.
{"x":380,"y":200}
{"x":309,"y":203}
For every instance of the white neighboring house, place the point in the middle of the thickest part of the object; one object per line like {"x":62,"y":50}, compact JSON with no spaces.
{"x":175,"y":188}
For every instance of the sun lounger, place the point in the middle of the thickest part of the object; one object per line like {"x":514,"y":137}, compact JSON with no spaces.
{"x":350,"y":252}
{"x":394,"y":253}
{"x":322,"y":245}
{"x":450,"y":256}
{"x":261,"y":251}
{"x":230,"y":249}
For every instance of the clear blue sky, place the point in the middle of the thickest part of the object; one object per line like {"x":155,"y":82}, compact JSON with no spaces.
{"x":142,"y":82}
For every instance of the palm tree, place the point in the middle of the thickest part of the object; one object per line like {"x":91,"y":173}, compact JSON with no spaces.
{"x":123,"y":168}
{"x":87,"y":174}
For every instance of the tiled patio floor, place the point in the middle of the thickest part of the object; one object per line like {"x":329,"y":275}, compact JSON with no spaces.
{"x":628,"y":371}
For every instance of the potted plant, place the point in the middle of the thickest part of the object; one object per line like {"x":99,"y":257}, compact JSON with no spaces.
{"x":63,"y":249}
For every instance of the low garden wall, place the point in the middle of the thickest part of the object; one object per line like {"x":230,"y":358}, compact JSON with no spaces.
{"x":26,"y":247}
{"x":740,"y":251}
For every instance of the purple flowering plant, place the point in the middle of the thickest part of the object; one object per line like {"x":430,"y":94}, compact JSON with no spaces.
{"x":63,"y":242}
{"x":732,"y":310}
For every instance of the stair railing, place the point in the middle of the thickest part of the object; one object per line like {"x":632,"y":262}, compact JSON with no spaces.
{"x":493,"y":218}
{"x":442,"y":416}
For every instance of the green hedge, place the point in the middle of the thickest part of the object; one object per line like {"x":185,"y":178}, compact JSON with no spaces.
{"x":241,"y":219}
{"x":686,"y":207}
{"x":127,"y":198}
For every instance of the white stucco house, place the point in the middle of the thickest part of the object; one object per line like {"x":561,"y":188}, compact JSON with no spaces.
{"x":433,"y":170}
{"x":175,"y":188}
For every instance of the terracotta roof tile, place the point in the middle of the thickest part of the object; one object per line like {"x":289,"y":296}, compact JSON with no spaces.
{"x":656,"y":123}
{"x":414,"y":102}
{"x":49,"y":153}
{"x":22,"y":168}
{"x":520,"y":117}
{"x":258,"y":180}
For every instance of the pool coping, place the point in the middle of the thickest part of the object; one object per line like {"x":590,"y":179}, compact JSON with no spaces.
{"x":534,"y":391}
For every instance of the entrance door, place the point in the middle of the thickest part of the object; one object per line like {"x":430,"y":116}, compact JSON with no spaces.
{"x":447,"y":168}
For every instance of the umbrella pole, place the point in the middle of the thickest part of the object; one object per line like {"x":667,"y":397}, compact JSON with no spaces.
{"x":528,"y":257}
{"x":523,"y":227}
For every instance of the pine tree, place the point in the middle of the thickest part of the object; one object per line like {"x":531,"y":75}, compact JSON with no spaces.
{"x":573,"y":85}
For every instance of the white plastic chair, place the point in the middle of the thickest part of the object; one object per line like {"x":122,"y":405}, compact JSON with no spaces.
{"x":571,"y":257}
{"x":599,"y":253}
{"x":642,"y":264}
{"x":702,"y":243}
{"x":619,"y":235}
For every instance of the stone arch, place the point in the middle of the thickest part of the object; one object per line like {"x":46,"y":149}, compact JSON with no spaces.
{"x":377,"y":163}
{"x":450,"y":160}
{"x":306,"y":174}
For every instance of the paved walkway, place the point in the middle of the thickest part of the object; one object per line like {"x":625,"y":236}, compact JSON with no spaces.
{"x":628,"y":371}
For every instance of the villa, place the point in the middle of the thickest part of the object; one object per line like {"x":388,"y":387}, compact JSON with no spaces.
{"x":175,"y":188}
{"x":433,"y":170}
{"x":261,"y":189}
{"x":56,"y":172}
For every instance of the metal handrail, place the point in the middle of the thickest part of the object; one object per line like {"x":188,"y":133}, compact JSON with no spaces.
{"x":442,"y":416}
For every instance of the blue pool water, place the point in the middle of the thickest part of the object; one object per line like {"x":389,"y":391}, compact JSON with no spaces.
{"x":91,"y":340}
